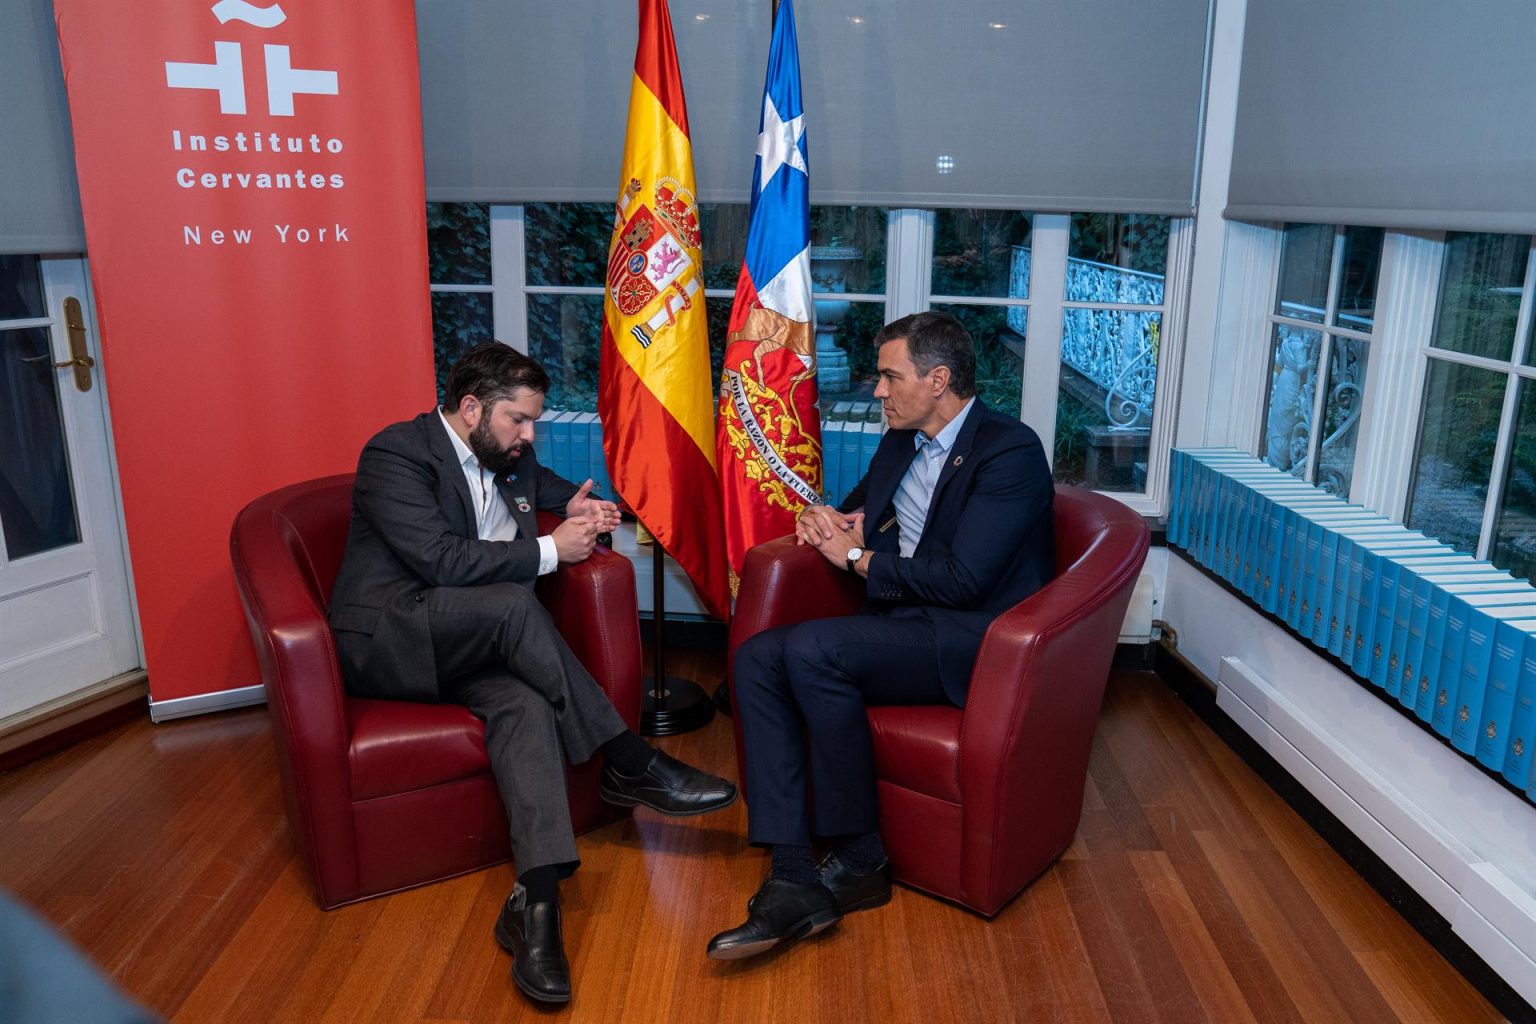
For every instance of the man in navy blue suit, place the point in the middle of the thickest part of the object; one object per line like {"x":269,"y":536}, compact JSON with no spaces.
{"x":951,"y":526}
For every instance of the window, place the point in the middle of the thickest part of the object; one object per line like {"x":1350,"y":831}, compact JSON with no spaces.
{"x":1110,"y":336}
{"x":1474,"y":480}
{"x":980,"y":276}
{"x":1320,"y":328}
{"x":459,"y":269}
{"x":532,"y":275}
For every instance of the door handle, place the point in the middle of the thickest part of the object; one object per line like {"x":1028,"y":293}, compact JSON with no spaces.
{"x":79,"y":359}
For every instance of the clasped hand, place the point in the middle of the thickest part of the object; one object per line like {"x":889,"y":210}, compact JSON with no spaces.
{"x":831,"y":532}
{"x":585,"y":518}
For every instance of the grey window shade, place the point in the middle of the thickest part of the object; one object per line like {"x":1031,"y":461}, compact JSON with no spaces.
{"x":1080,"y":105}
{"x":1413,"y":114}
{"x":39,"y":201}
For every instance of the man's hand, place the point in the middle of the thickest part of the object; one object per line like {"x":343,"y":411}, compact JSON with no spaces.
{"x":818,"y":524}
{"x":583,"y":506}
{"x":575,"y":538}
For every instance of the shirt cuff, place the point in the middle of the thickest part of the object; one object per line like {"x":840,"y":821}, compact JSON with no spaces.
{"x":549,"y":558}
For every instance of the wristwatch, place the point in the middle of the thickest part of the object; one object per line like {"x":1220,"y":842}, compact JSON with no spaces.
{"x":854,"y":554}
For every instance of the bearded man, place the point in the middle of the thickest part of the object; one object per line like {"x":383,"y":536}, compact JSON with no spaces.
{"x":435,"y":602}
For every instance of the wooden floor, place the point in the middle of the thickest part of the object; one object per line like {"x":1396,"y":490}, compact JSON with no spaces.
{"x":1192,"y":894}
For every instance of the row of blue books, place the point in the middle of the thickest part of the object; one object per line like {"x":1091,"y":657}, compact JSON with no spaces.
{"x":1447,"y":636}
{"x":571,"y":444}
{"x":846,"y":448}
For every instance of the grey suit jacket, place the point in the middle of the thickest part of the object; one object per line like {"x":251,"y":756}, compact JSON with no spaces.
{"x":413,"y":527}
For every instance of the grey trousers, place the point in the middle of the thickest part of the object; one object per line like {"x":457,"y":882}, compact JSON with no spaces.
{"x":499,"y":654}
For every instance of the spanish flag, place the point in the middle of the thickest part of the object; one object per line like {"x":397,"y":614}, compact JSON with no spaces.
{"x":655,"y":395}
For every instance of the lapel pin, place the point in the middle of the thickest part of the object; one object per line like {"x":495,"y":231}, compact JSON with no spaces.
{"x":522,"y":504}
{"x":959,"y":459}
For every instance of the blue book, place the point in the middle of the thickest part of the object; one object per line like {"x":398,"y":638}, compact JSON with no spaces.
{"x":1408,"y":681}
{"x":873,"y":432}
{"x":560,"y":444}
{"x":1522,"y":724}
{"x":852,"y":445}
{"x":599,"y":460}
{"x":1492,"y":726}
{"x":1178,"y":512}
{"x":832,"y":487}
{"x":581,"y":447}
{"x":1431,"y":692}
{"x":1380,"y":620}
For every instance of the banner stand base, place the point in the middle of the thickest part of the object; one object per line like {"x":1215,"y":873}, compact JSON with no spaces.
{"x":678,"y":706}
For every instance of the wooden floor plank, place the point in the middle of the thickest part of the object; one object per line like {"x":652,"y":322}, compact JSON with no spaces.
{"x":1191,"y":893}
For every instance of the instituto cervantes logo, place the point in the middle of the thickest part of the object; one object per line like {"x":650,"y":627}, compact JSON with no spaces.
{"x":226,"y":75}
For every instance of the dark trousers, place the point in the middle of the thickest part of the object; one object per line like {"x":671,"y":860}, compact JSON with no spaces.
{"x":801,"y":692}
{"x":499,"y":654}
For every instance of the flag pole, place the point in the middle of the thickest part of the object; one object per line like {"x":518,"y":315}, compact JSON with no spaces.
{"x":671,"y":705}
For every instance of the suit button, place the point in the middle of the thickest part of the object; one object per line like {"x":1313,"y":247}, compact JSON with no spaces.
{"x":420,"y":598}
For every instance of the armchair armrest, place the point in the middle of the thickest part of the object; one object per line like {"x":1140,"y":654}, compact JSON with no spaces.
{"x":593,"y":605}
{"x":783,"y":583}
{"x":303,"y":685}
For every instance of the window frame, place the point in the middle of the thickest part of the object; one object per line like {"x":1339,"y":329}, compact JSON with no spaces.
{"x":1330,"y":330}
{"x":908,"y":280}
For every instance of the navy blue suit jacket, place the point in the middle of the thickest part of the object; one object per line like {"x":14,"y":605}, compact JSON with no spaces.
{"x":989,"y":541}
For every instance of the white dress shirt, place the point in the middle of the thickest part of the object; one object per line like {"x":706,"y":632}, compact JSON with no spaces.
{"x":915,"y":493}
{"x":493,"y":519}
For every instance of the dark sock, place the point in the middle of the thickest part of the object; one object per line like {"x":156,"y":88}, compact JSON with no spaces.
{"x":862,"y":853}
{"x":542,"y":883}
{"x":794,"y":864}
{"x":628,"y":753}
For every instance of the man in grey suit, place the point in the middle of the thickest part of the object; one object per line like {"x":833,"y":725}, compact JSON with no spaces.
{"x":434,"y":602}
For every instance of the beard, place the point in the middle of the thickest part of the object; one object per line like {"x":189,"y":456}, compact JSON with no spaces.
{"x":492,"y":455}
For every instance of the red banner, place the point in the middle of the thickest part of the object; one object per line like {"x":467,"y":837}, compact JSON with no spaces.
{"x":251,"y":179}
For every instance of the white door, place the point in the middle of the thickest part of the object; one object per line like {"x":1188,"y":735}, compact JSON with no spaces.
{"x":66,"y":613}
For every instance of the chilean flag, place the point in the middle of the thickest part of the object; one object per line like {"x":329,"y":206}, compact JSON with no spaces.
{"x":768,"y":434}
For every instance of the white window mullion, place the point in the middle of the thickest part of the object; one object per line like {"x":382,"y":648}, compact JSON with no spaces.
{"x":1407,"y":296}
{"x":908,"y":262}
{"x":1170,"y":361}
{"x":509,"y":260}
{"x":1048,"y":243}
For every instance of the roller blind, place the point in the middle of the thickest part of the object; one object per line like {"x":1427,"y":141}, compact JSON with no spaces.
{"x":1051,"y":105}
{"x":39,"y":200}
{"x":1409,"y":114}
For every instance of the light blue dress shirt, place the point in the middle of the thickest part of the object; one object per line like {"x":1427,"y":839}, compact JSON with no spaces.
{"x":915,"y":492}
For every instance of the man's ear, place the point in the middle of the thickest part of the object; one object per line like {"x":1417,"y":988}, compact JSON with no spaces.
{"x":470,"y":410}
{"x":940,"y":379}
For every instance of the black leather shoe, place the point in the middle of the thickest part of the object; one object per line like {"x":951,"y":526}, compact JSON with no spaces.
{"x":853,"y":890}
{"x":669,"y":786}
{"x":532,"y":935}
{"x":780,"y":912}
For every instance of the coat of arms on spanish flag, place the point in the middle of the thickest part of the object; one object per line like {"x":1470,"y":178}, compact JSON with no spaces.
{"x":769,"y":434}
{"x":655,"y":395}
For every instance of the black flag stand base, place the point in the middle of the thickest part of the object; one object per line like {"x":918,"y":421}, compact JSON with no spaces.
{"x":671,"y":705}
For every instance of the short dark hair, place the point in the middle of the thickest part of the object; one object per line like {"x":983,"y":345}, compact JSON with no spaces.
{"x":934,"y":340}
{"x":491,"y":372}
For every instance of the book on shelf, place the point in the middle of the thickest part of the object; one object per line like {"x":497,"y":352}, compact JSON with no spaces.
{"x":1491,"y":727}
{"x":1522,"y":723}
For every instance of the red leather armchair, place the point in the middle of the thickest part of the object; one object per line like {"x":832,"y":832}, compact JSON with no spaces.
{"x":385,"y":795}
{"x":976,"y":802}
